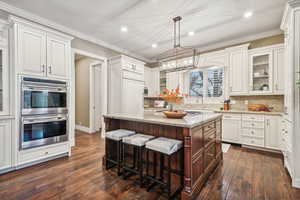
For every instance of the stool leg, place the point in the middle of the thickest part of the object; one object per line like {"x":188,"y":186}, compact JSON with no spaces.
{"x":169,"y":177}
{"x":182,"y":168}
{"x":119,"y":157}
{"x":134,"y":157}
{"x":141,"y":165}
{"x":162,"y":160}
{"x":147,"y":162}
{"x":154,"y":164}
{"x":124,"y":160}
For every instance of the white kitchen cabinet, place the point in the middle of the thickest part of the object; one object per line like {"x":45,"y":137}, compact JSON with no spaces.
{"x":278,"y":71}
{"x":231,"y":128}
{"x":5,"y":145}
{"x":132,"y":91}
{"x":152,"y":81}
{"x":261,"y":71}
{"x":272,"y":132}
{"x":31,"y":47}
{"x":40,"y":51}
{"x":58,"y":57}
{"x":125,"y":86}
{"x":4,"y":70}
{"x":238,"y":67}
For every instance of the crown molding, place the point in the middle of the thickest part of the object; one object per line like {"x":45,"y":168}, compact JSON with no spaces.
{"x":290,"y":5}
{"x":58,"y":27}
{"x":240,"y":40}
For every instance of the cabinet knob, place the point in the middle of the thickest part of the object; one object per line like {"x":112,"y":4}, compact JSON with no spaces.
{"x":46,"y":153}
{"x":50,"y":69}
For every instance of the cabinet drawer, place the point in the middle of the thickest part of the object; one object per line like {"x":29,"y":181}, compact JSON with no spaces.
{"x":133,"y":76}
{"x":32,"y":155}
{"x":259,"y":142}
{"x":208,"y":137}
{"x":256,"y":118}
{"x":253,"y":124}
{"x":209,"y":155}
{"x":253,"y":132}
{"x":210,"y":126}
{"x":232,"y":116}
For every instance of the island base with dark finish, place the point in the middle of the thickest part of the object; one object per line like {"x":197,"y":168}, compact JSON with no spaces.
{"x":202,"y":149}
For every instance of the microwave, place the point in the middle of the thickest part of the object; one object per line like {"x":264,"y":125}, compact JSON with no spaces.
{"x":39,"y":96}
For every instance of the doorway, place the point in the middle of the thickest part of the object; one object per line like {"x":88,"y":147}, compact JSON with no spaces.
{"x":95,"y":97}
{"x":88,"y":99}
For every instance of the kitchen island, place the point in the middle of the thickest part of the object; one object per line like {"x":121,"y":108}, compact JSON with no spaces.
{"x":201,"y":136}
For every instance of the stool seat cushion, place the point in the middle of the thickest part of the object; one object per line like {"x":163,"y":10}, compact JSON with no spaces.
{"x":137,"y":139}
{"x":164,"y":145}
{"x":118,"y":134}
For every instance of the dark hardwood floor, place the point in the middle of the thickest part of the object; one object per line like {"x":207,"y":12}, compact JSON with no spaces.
{"x":245,"y":174}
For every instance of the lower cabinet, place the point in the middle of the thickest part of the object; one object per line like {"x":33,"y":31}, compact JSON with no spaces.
{"x":231,"y":128}
{"x":5,"y":145}
{"x":37,"y":154}
{"x":256,"y":130}
{"x":272,"y":132}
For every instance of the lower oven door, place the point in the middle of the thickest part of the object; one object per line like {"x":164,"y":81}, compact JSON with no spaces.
{"x":43,"y":130}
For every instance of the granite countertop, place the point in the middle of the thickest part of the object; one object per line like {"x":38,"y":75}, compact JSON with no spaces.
{"x":247,"y":112}
{"x":189,"y":121}
{"x":221,"y":111}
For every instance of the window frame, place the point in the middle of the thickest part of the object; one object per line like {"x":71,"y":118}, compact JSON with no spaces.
{"x":205,"y":99}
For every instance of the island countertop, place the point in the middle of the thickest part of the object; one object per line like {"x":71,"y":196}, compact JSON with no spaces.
{"x":189,"y":121}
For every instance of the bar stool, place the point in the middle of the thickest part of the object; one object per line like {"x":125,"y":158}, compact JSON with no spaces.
{"x":166,"y":148}
{"x":136,"y":141}
{"x":112,"y":139}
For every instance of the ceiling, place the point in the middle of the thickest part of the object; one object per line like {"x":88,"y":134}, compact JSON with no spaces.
{"x":150,"y":21}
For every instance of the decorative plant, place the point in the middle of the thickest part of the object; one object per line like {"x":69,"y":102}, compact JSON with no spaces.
{"x":172,"y":96}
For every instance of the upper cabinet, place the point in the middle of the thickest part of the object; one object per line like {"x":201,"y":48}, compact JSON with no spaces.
{"x":58,"y":56}
{"x":258,"y":71}
{"x":152,"y":78}
{"x":278,"y":71}
{"x":4,"y":69}
{"x":238,"y":67}
{"x":31,"y":51}
{"x":261,"y":71}
{"x":41,"y":52}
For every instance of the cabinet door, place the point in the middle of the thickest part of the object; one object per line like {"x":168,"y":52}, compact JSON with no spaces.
{"x":272,"y":132}
{"x":5,"y":145}
{"x":231,"y":130}
{"x":261,"y":72}
{"x":132,"y":97}
{"x":278,"y":71}
{"x":31,"y":51}
{"x":58,"y":57}
{"x":148,"y":81}
{"x":238,"y":73}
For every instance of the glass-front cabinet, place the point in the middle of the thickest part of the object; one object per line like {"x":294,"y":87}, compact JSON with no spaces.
{"x":261,"y":72}
{"x":4,"y":71}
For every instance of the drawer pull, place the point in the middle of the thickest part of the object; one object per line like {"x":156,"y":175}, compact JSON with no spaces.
{"x":252,"y":132}
{"x":46,"y":153}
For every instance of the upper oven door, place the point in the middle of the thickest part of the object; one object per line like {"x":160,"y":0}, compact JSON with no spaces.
{"x":43,"y":99}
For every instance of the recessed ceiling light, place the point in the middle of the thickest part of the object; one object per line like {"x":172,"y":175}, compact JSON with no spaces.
{"x":248,"y":14}
{"x":191,"y":33}
{"x":154,"y":45}
{"x":124,"y":29}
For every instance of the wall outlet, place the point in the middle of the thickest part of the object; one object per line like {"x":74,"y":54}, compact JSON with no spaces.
{"x":246,"y":102}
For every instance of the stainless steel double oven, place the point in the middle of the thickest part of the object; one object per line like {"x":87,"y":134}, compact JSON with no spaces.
{"x":44,"y":112}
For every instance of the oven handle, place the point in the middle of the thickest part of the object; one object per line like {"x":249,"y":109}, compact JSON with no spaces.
{"x":59,"y":90}
{"x":43,"y":120}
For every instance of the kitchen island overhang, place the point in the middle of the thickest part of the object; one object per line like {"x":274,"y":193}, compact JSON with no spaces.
{"x":201,"y":136}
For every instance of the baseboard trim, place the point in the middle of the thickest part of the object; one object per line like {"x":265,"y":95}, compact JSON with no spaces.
{"x":296,"y":183}
{"x":83,"y":128}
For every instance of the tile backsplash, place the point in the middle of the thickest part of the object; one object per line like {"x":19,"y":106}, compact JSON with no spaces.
{"x":238,"y":103}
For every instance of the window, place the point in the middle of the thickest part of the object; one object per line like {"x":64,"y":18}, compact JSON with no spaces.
{"x":207,"y":83}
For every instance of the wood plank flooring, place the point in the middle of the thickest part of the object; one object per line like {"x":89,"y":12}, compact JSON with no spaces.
{"x":244,"y":175}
